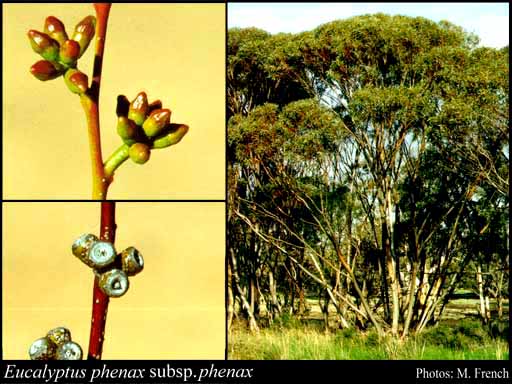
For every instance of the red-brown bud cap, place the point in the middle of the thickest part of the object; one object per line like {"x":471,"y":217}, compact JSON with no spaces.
{"x":44,"y":45}
{"x":157,"y":104}
{"x":45,"y":70}
{"x":127,"y":130}
{"x":156,"y":122}
{"x":123,"y":104}
{"x":138,"y":108}
{"x":69,"y":52}
{"x":76,"y":81}
{"x":84,"y":32}
{"x":54,"y":28}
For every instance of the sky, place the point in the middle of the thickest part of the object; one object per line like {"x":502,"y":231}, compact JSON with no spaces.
{"x":487,"y":20}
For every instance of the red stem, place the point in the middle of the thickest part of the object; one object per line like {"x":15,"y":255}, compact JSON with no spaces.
{"x":100,"y":300}
{"x":100,"y":184}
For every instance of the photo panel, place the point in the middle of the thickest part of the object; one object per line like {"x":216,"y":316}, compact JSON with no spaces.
{"x":368,"y":182}
{"x":173,"y":309}
{"x":174,"y":53}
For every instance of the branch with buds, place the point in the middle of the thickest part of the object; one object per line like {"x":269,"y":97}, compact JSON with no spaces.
{"x":142,"y":127}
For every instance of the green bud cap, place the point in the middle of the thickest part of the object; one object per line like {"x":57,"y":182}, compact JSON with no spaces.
{"x":123,"y":104}
{"x":69,"y":52}
{"x":44,"y":45}
{"x":54,"y":28}
{"x":157,"y":104}
{"x":127,"y":130}
{"x":45,"y":70}
{"x":174,"y":136}
{"x":139,"y":153}
{"x":156,"y":122}
{"x":138,"y":108}
{"x":76,"y":81}
{"x":84,"y":32}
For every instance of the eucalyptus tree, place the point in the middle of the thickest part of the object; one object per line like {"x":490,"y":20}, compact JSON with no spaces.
{"x":363,"y":145}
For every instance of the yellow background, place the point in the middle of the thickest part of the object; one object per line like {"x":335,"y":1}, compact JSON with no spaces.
{"x":174,"y":309}
{"x":174,"y":52}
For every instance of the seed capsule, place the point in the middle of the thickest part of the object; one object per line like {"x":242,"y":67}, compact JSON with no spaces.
{"x":138,"y":108}
{"x":176,"y":133}
{"x":76,"y":81}
{"x":101,"y":254}
{"x":156,"y":122}
{"x":45,"y":70}
{"x":69,"y":351}
{"x":127,"y":130}
{"x":84,"y":31}
{"x":42,"y":349}
{"x":54,"y":28}
{"x":44,"y":45}
{"x":131,"y":261}
{"x":59,"y":335}
{"x":139,"y":153}
{"x":81,"y":246}
{"x":114,"y":283}
{"x":69,"y":52}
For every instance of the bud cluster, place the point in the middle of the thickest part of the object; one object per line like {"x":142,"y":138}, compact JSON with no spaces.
{"x":112,"y":269}
{"x":60,"y":53}
{"x":56,"y":345}
{"x":143,"y":126}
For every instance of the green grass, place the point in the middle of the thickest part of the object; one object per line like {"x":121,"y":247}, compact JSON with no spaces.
{"x":289,"y":339}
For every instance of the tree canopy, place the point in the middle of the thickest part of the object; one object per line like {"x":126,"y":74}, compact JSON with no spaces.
{"x":368,"y":162}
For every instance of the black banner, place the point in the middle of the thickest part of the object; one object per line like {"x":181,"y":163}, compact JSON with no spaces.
{"x":221,"y":371}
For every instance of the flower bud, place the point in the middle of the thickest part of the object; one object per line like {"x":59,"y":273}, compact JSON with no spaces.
{"x":44,"y":45}
{"x":127,"y":130}
{"x":156,"y":122}
{"x":76,"y":81}
{"x":176,"y":133}
{"x":54,"y":28}
{"x":69,"y":52}
{"x":101,"y":254}
{"x":45,"y":70}
{"x":114,"y":283}
{"x":59,"y":335}
{"x":69,"y":351}
{"x":131,"y":261}
{"x":139,"y":153}
{"x":42,"y":349}
{"x":157,"y":104}
{"x":84,"y":32}
{"x":123,"y":104}
{"x":138,"y":108}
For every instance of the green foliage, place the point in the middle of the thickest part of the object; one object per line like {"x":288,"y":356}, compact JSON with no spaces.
{"x":466,"y":334}
{"x":256,"y":71}
{"x":304,"y":342}
{"x":366,"y":129}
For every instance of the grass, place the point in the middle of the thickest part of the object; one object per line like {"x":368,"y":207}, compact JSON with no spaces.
{"x":289,"y":339}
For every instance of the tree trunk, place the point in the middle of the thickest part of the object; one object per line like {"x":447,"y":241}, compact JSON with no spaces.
{"x":230,"y":299}
{"x":275,"y":308}
{"x":480,"y":285}
{"x":253,"y":325}
{"x":499,"y":296}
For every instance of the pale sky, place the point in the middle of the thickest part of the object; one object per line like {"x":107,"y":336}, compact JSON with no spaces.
{"x":487,"y":20}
